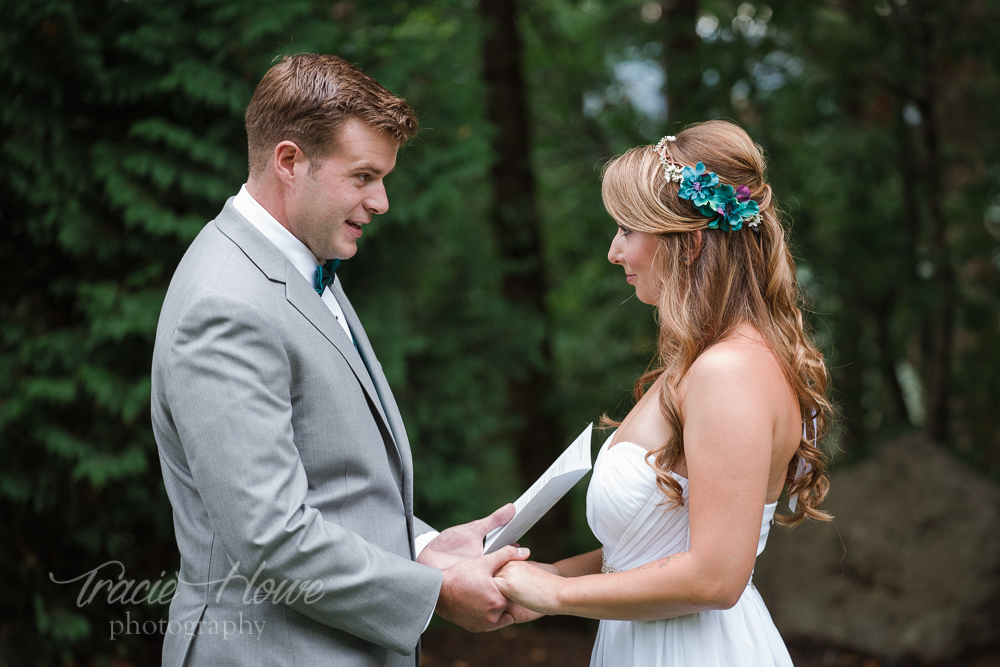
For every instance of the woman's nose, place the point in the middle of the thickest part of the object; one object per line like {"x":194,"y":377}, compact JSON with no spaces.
{"x":614,"y":252}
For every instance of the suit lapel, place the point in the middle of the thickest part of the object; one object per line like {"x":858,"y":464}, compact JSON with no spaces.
{"x":303,"y":298}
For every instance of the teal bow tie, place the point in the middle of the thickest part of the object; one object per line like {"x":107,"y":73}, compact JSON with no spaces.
{"x":324,"y":275}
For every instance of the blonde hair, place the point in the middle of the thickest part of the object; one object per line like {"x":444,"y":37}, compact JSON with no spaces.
{"x":740,"y":277}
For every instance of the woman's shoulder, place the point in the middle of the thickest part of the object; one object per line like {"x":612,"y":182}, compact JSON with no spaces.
{"x":744,"y":349}
{"x":740,"y":362}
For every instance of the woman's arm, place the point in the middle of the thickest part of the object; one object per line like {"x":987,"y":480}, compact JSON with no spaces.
{"x":620,"y":595}
{"x":729,"y":422}
{"x":574,"y":566}
{"x":577,"y":566}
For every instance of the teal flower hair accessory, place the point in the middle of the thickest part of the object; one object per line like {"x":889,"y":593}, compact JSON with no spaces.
{"x":708,"y":194}
{"x":734,"y":207}
{"x":698,"y":185}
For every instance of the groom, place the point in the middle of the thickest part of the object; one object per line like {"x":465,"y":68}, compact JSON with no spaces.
{"x":283,"y":452}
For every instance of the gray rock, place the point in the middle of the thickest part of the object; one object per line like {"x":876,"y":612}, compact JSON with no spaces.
{"x":910,"y":566}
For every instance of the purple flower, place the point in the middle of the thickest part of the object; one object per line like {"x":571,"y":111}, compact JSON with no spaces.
{"x":733,"y":207}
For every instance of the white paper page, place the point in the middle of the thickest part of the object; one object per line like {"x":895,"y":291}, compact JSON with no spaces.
{"x":561,"y":476}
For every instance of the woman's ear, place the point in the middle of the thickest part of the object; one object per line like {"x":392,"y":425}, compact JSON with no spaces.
{"x":699,"y":243}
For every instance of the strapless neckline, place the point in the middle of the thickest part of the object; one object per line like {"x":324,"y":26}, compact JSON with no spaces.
{"x":645,"y":455}
{"x":652,"y":472}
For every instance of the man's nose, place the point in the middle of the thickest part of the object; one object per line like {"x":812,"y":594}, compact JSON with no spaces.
{"x":378,"y":201}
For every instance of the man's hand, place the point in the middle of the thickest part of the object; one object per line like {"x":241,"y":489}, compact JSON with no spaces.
{"x":462,"y":542}
{"x":469,"y":597}
{"x":521,"y":614}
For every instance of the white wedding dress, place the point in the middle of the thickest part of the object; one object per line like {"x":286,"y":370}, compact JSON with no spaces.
{"x":624,"y":512}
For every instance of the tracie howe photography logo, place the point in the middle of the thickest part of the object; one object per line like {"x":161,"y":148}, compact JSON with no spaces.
{"x":121,"y":590}
{"x":107,"y":583}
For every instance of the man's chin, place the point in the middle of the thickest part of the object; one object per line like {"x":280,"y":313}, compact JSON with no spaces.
{"x":343,"y":251}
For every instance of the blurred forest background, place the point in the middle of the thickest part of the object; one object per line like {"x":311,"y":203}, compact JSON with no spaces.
{"x":485,"y":289}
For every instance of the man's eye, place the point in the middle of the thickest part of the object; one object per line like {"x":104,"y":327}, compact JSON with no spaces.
{"x":625,"y":230}
{"x":364,"y":177}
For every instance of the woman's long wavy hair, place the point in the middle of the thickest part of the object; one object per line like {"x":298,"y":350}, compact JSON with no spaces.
{"x":741,"y":277}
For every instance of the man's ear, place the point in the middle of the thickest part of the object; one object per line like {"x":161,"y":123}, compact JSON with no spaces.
{"x":289,"y":160}
{"x":699,"y":243}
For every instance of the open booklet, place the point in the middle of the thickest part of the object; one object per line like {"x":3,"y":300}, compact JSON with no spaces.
{"x":564,"y":472}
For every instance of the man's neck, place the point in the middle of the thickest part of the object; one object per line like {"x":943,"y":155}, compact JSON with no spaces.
{"x":268,"y":194}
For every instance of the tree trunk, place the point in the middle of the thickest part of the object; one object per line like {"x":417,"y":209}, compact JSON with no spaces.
{"x":896,"y":410}
{"x":942,"y":326}
{"x":517,"y":226}
{"x":850,"y":382}
{"x":680,"y":61}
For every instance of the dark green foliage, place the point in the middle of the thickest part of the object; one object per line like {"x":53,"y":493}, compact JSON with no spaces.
{"x":121,"y":135}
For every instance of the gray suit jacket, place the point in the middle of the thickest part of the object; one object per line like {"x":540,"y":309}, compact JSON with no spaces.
{"x":287,"y":466}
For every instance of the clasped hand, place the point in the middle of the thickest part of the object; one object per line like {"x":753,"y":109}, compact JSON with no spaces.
{"x":531,"y":586}
{"x":469,"y":595}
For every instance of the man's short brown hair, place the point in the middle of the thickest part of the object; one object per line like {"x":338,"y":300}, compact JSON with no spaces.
{"x":306,"y":98}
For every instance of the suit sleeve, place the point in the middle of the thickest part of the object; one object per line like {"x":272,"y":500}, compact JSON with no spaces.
{"x":230,"y":396}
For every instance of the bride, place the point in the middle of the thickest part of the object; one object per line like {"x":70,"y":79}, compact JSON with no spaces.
{"x":683,"y":493}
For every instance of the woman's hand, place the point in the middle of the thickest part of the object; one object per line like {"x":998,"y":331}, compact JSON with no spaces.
{"x":534,"y":586}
